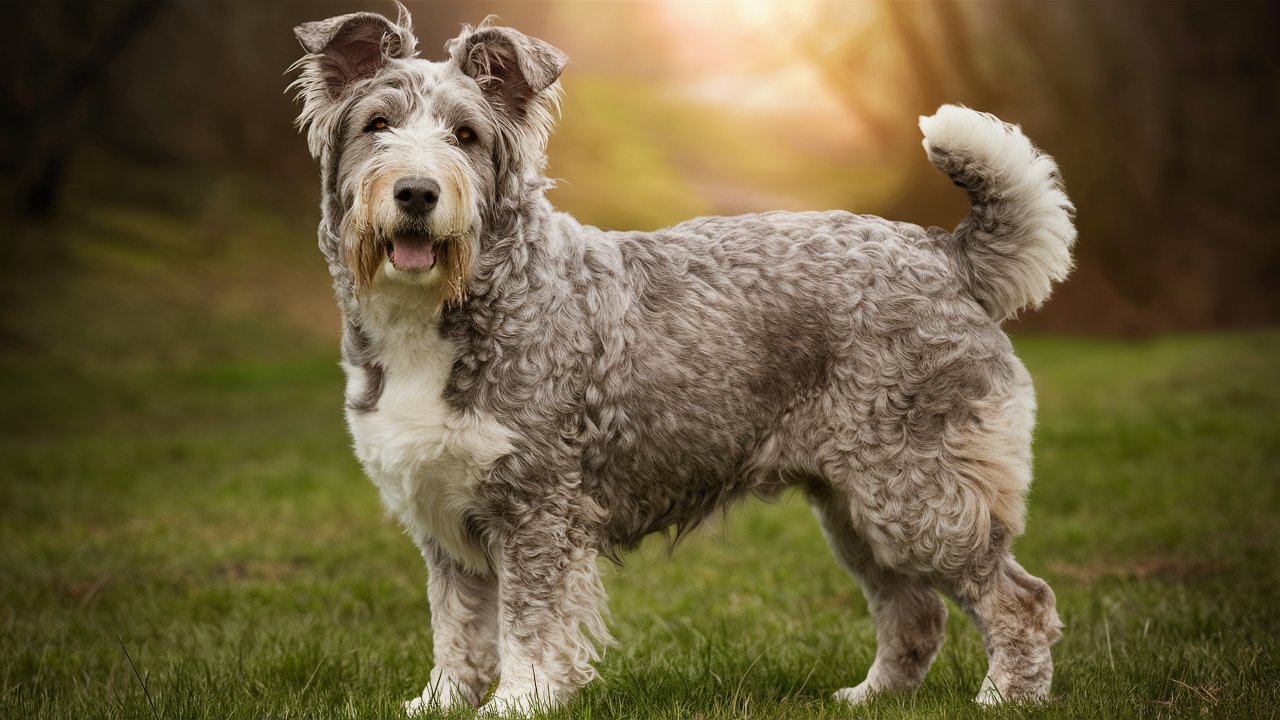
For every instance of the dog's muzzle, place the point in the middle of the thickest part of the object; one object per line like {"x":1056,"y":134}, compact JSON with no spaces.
{"x":412,"y":248}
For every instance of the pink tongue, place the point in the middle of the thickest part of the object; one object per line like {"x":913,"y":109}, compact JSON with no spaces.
{"x":412,"y":253}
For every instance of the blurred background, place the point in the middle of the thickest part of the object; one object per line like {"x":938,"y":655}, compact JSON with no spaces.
{"x":157,"y":192}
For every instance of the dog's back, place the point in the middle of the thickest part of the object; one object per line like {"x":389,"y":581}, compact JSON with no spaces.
{"x":721,"y":332}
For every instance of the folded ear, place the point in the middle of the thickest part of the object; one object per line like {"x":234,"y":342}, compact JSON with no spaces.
{"x":511,"y":67}
{"x":347,"y":48}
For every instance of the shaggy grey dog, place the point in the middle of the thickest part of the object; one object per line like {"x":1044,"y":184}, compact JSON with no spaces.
{"x":528,"y":392}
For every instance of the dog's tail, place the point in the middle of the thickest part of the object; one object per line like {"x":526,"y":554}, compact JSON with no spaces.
{"x":1016,"y":241}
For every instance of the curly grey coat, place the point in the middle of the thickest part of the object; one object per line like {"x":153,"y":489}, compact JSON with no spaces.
{"x":527,"y":391}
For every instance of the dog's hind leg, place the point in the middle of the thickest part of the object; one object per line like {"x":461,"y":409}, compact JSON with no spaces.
{"x":984,"y":471}
{"x":910,"y":617}
{"x":1015,"y":612}
{"x":464,"y":634}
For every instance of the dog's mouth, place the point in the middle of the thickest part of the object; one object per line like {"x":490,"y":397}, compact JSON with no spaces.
{"x":412,"y":251}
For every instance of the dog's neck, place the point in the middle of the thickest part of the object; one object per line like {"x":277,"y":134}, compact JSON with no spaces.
{"x":514,"y":291}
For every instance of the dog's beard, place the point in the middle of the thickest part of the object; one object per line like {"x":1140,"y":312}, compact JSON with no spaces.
{"x":369,"y":252}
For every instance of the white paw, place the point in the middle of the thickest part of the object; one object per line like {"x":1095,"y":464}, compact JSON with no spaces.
{"x":860,"y":693}
{"x":989,"y":694}
{"x":437,"y":696}
{"x":416,"y":707}
{"x":516,"y":704}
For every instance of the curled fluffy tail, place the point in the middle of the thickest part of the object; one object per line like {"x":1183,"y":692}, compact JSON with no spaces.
{"x":1017,"y":238}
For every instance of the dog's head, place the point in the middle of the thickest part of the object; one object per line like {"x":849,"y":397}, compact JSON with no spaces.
{"x":418,"y":155}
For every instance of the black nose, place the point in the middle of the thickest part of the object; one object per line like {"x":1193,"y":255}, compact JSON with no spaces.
{"x":416,"y":195}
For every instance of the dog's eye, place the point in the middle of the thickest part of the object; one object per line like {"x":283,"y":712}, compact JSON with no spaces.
{"x":465,"y":135}
{"x":376,"y":124}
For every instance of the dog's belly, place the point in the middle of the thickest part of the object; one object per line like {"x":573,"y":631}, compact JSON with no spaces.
{"x":425,"y":459}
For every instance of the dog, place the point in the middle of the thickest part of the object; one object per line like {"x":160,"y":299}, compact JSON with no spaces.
{"x":529,"y":393}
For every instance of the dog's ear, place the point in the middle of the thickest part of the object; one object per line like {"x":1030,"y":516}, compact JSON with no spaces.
{"x":347,"y":48}
{"x":510,"y":67}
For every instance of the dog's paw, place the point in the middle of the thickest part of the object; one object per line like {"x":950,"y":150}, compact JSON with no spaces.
{"x":989,"y":694}
{"x":516,"y":704}
{"x":521,"y":706}
{"x":856,"y":695}
{"x":438,"y":697}
{"x":417,"y":707}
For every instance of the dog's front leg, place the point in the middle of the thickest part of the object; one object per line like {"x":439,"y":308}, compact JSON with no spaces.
{"x":464,"y":633}
{"x":550,"y":605}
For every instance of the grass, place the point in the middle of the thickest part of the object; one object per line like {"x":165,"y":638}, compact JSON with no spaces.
{"x":197,"y":541}
{"x":184,"y":532}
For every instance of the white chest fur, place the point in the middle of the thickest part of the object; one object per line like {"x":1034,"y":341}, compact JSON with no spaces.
{"x":425,"y":459}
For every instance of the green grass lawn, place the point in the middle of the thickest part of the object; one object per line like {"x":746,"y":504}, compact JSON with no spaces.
{"x":192,"y":538}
